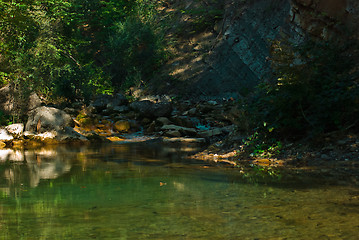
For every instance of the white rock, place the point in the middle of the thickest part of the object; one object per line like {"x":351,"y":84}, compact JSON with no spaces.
{"x":5,"y":135}
{"x":15,"y":129}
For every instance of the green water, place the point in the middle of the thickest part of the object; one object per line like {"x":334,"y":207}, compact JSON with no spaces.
{"x":148,"y":192}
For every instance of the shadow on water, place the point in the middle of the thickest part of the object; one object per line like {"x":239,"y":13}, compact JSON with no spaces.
{"x":150,"y":191}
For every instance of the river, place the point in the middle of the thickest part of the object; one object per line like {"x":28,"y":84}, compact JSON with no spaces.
{"x":147,"y":191}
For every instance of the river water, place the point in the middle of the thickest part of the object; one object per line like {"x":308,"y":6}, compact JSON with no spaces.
{"x":147,"y":191}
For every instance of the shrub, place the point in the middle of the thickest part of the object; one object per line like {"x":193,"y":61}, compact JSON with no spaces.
{"x":313,"y":90}
{"x":136,"y":52}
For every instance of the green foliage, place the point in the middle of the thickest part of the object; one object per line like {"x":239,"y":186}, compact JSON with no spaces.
{"x":201,"y":16}
{"x":64,"y":48}
{"x":313,"y":92}
{"x":136,"y":51}
{"x":5,"y":119}
{"x":260,"y":144}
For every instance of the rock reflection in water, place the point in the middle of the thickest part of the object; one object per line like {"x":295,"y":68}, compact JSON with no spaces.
{"x":11,"y":155}
{"x":28,"y":167}
{"x":131,"y":192}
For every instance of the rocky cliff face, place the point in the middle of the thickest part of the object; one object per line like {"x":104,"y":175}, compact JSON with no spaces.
{"x":326,"y":19}
{"x":240,"y":59}
{"x":236,"y":58}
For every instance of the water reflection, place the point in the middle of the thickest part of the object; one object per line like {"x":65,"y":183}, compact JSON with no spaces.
{"x":148,"y":192}
{"x":29,"y":167}
{"x":11,"y":155}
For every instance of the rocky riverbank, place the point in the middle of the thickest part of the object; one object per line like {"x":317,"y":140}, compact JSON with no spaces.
{"x":213,"y":126}
{"x":113,"y":118}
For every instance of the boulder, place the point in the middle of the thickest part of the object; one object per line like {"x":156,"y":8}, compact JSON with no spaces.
{"x":121,"y":109}
{"x":122,"y":126}
{"x":173,"y":133}
{"x":191,"y":112}
{"x":77,"y":105}
{"x":142,"y":107}
{"x":118,"y":100}
{"x":34,"y":102}
{"x":89,"y":110}
{"x":44,"y":119}
{"x":162,"y":109}
{"x":185,"y":121}
{"x":107,"y":112}
{"x":5,"y":135}
{"x":211,"y":133}
{"x":109,"y":101}
{"x":8,"y":103}
{"x":151,"y":128}
{"x":183,"y":130}
{"x":213,"y":103}
{"x":6,"y":99}
{"x":157,"y":98}
{"x":71,"y":111}
{"x":163,"y":121}
{"x":149,"y":109}
{"x":69,"y":134}
{"x":15,"y":129}
{"x":101,"y":101}
{"x":41,"y":136}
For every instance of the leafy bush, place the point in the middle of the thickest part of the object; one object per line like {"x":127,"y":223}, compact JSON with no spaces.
{"x":62,"y":49}
{"x":313,"y":91}
{"x":136,"y":52}
{"x":5,"y":119}
{"x":260,"y":144}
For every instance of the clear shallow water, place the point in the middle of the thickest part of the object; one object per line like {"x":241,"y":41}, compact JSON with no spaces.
{"x":147,"y":192}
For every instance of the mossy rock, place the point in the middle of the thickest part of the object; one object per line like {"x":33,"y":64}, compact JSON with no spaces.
{"x":81,"y":115}
{"x":86,"y":122}
{"x":122,"y":126}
